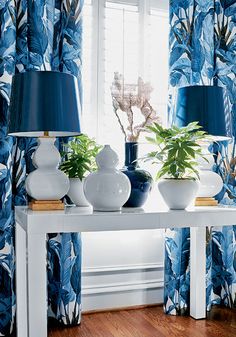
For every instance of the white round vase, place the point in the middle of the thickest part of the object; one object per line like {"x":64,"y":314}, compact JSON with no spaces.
{"x":108,"y":189}
{"x":178,"y":193}
{"x":76,"y":192}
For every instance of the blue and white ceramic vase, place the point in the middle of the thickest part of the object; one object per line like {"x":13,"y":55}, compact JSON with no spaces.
{"x":141,"y":180}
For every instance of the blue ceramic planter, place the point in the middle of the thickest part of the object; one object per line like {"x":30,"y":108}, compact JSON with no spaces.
{"x":141,"y":180}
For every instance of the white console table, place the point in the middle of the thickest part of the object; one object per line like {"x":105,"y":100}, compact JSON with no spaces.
{"x":32,"y":228}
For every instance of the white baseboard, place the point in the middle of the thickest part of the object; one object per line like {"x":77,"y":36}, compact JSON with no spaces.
{"x":120,"y":268}
{"x":122,"y":286}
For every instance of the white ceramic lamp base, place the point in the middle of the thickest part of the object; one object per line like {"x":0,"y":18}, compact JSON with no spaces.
{"x":210,"y":182}
{"x":47,"y":182}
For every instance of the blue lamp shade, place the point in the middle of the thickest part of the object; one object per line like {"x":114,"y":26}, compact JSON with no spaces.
{"x":205,"y":104}
{"x":44,"y":101}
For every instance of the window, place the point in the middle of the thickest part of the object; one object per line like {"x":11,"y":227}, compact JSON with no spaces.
{"x":129,"y":37}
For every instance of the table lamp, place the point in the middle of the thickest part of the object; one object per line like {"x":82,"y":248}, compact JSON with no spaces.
{"x":45,"y":104}
{"x":207,"y":105}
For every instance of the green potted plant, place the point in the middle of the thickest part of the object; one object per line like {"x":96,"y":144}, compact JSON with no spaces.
{"x":78,"y":161}
{"x":177,"y":153}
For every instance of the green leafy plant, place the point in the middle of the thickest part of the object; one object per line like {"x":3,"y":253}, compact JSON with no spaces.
{"x":79,"y":156}
{"x":177,"y":150}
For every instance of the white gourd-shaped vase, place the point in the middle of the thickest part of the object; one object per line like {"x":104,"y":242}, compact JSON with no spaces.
{"x":108,"y":189}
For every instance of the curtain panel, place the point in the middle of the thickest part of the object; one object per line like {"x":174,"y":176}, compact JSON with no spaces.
{"x":35,"y":35}
{"x":203,"y":52}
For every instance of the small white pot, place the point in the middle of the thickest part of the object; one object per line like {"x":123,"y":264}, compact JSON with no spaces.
{"x":178,"y":193}
{"x":76,"y":192}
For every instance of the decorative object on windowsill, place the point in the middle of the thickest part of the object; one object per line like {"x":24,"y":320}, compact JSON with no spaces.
{"x":78,"y":160}
{"x":108,"y":189}
{"x":177,"y":152}
{"x":134,"y":112}
{"x":45,"y":104}
{"x":206,"y":104}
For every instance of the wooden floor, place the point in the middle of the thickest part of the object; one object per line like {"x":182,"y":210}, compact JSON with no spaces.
{"x":151,"y":322}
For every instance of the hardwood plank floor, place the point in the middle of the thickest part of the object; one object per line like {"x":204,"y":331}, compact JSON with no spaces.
{"x":151,"y":322}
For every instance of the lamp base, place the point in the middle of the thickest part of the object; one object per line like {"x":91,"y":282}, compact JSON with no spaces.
{"x":47,"y":182}
{"x":205,"y":201}
{"x":210,"y":182}
{"x":46,"y":205}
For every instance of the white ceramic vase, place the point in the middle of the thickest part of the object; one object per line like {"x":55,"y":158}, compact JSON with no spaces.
{"x":76,"y":192}
{"x":178,"y":193}
{"x":108,"y":189}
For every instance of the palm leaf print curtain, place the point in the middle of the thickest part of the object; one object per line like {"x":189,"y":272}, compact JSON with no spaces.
{"x":203,"y":52}
{"x":35,"y":35}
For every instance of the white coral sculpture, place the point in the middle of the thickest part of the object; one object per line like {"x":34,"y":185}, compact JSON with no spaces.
{"x":133,"y":100}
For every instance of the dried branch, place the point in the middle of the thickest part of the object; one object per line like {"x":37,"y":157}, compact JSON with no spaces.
{"x":121,"y":126}
{"x":125,"y":97}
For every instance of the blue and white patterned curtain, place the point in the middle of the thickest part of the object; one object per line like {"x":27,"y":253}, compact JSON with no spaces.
{"x":203,"y":52}
{"x":35,"y":35}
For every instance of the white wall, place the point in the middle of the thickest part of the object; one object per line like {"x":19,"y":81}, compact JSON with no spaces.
{"x":124,"y":268}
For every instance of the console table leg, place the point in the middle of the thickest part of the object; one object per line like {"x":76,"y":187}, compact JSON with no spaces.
{"x":37,"y":285}
{"x":21,"y":283}
{"x":198,"y":272}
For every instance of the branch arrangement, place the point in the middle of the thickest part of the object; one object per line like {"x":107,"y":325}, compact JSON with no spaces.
{"x":131,"y":106}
